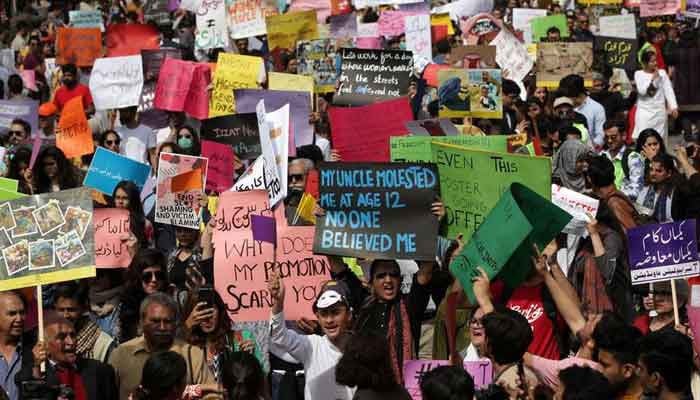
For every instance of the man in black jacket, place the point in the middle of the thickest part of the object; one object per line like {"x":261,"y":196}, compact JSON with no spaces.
{"x":87,"y":379}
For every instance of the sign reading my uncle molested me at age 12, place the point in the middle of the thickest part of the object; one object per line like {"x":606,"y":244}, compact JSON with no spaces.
{"x":377,"y":210}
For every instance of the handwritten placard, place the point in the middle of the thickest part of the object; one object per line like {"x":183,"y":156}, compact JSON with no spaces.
{"x":619,"y":52}
{"x":107,"y":169}
{"x":651,"y":8}
{"x":116,"y":82}
{"x":371,"y":75}
{"x":247,"y":17}
{"x":221,"y":163}
{"x":174,"y":80}
{"x":240,"y":131}
{"x":112,"y":225}
{"x":79,"y":46}
{"x":233,"y":71}
{"x":74,"y":137}
{"x":619,"y":26}
{"x":372,"y":210}
{"x":661,"y":252}
{"x":512,"y":55}
{"x":212,"y":28}
{"x":283,"y":31}
{"x":180,"y":186}
{"x":85,"y":19}
{"x":580,"y":206}
{"x":418,"y":36}
{"x":413,"y":370}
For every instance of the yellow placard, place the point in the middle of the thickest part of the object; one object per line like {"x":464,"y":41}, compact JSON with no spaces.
{"x":442,"y":19}
{"x":47,"y":278}
{"x":284,"y":30}
{"x":233,"y":71}
{"x":293,"y":82}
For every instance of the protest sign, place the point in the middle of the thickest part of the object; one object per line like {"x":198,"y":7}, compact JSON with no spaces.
{"x":339,"y":7}
{"x":197,"y":100}
{"x":619,"y":26}
{"x":370,"y":75}
{"x":540,"y":25}
{"x":180,"y":186}
{"x":522,"y":18}
{"x":442,"y":20}
{"x":557,"y":60}
{"x":278,"y":123}
{"x":239,"y":131}
{"x":246,"y":18}
{"x":152,"y":60}
{"x":477,"y":57}
{"x":660,"y":252}
{"x":283,"y":31}
{"x":432,"y":127}
{"x":292,"y":82}
{"x":221,"y":164}
{"x":368,"y":43}
{"x":212,"y":28}
{"x":29,"y":79}
{"x":531,"y":220}
{"x":26,"y":110}
{"x":392,"y":22}
{"x":130,"y":39}
{"x":580,"y":206}
{"x":107,"y":169}
{"x":464,"y":8}
{"x":372,"y":210}
{"x":233,"y":71}
{"x":46,"y":238}
{"x":692,"y":8}
{"x":156,"y":11}
{"x":300,"y":106}
{"x":317,"y":59}
{"x":344,"y":26}
{"x":9,"y":184}
{"x":472,"y":182}
{"x":512,"y":55}
{"x":116,"y":82}
{"x":619,"y":52}
{"x":473,"y":92}
{"x":243,"y":266}
{"x":85,"y":19}
{"x":174,"y":81}
{"x":362,"y":133}
{"x":79,"y":46}
{"x":375,"y":3}
{"x":111,"y":226}
{"x":651,"y":8}
{"x":252,"y":178}
{"x":413,"y":371}
{"x":271,"y":175}
{"x":417,"y":148}
{"x":418,"y":36}
{"x":74,"y":136}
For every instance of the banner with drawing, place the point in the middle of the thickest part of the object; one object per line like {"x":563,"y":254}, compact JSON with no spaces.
{"x":46,"y":239}
{"x":180,"y":186}
{"x":557,"y":60}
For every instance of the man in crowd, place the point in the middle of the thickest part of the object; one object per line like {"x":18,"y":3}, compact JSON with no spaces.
{"x":138,"y":141}
{"x":665,"y":364}
{"x":15,"y":345}
{"x":600,"y":177}
{"x":47,"y":121}
{"x":572,"y":86}
{"x":19,"y":132}
{"x":72,"y":88}
{"x":15,"y":87}
{"x":511,"y":93}
{"x":629,"y":166}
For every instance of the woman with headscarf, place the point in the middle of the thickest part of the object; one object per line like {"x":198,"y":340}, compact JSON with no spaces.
{"x":567,"y":169}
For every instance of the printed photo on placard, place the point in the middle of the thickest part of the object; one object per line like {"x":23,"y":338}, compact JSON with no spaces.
{"x":49,"y":217}
{"x":16,"y":257}
{"x":7,"y":219}
{"x":5,"y":240}
{"x":76,"y":219}
{"x":41,"y":254}
{"x":69,"y":248}
{"x":25,"y":222}
{"x":475,"y":93}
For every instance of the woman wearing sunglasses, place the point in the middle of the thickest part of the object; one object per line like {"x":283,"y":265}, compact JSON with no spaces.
{"x":110,"y":140}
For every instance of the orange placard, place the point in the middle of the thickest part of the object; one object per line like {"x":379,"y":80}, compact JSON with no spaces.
{"x":130,"y":39}
{"x":79,"y":46}
{"x":191,"y":180}
{"x":74,"y":136}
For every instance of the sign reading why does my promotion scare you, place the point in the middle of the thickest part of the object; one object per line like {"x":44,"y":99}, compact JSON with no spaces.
{"x":116,"y":82}
{"x":240,"y":131}
{"x":180,"y":186}
{"x":373,"y":210}
{"x":413,"y":371}
{"x":472,"y":181}
{"x":111,"y":226}
{"x":46,"y":239}
{"x":661,"y":252}
{"x":371,"y":75}
{"x":243,"y":266}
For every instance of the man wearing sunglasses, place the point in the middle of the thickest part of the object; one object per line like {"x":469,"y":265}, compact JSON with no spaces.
{"x":19,"y":132}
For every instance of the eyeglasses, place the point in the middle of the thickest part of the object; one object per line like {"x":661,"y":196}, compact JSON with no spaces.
{"x":150,"y":276}
{"x":16,"y":133}
{"x":111,"y":142}
{"x":296,"y":177}
{"x":383,"y":275}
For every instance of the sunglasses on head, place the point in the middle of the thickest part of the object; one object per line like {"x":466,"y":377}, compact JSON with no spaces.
{"x":392,"y":274}
{"x":149,"y":276}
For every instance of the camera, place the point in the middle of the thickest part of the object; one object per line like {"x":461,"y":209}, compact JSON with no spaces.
{"x":37,"y":389}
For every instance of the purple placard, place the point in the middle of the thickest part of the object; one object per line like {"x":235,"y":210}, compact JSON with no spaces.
{"x":661,"y":252}
{"x":264,"y":228}
{"x":26,"y":110}
{"x":413,"y":370}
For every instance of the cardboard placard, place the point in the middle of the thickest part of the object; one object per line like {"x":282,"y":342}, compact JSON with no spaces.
{"x":317,"y":59}
{"x":79,"y":46}
{"x":107,"y":169}
{"x":180,"y":187}
{"x":112,"y":225}
{"x":116,"y":82}
{"x":240,"y":131}
{"x":470,"y":92}
{"x":283,"y":31}
{"x":233,"y":71}
{"x":418,"y":148}
{"x":619,"y":52}
{"x":557,"y":60}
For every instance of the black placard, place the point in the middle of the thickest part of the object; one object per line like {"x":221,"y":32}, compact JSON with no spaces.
{"x":371,"y":75}
{"x":377,"y":210}
{"x":240,"y":131}
{"x":619,"y":52}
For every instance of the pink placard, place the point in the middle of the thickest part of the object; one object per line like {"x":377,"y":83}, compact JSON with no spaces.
{"x":29,"y":79}
{"x":651,"y":8}
{"x":174,"y":82}
{"x":393,"y":23}
{"x":197,"y":101}
{"x":363,"y":133}
{"x":221,"y":157}
{"x":371,"y":43}
{"x":413,"y":370}
{"x":111,"y":226}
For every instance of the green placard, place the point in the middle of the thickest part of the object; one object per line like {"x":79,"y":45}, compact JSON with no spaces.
{"x":529,"y":218}
{"x":541,"y":24}
{"x":7,"y":195}
{"x":8,"y":184}
{"x":417,"y":148}
{"x":472,"y":181}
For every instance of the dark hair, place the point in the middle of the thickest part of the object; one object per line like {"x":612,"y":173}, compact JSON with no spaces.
{"x":670,"y":353}
{"x":242,"y":376}
{"x":553,"y":29}
{"x":443,"y":46}
{"x":162,"y":372}
{"x":21,"y":155}
{"x":667,"y":161}
{"x":311,"y":152}
{"x":447,"y":383}
{"x":600,"y":171}
{"x":70,"y":290}
{"x":69,"y":69}
{"x":508,"y":335}
{"x":377,"y":262}
{"x":67,"y":173}
{"x":615,"y":123}
{"x":646,"y":134}
{"x":584,"y":383}
{"x":136,"y":215}
{"x":15,"y":84}
{"x":647,"y":56}
{"x":614,"y":336}
{"x":510,"y":87}
{"x":103,"y":136}
{"x":196,"y":336}
{"x":26,"y":127}
{"x":133,"y":294}
{"x":572,"y":86}
{"x":196,"y":148}
{"x":366,"y":364}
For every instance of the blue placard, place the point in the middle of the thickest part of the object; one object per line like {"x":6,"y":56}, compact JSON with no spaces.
{"x":108,"y":169}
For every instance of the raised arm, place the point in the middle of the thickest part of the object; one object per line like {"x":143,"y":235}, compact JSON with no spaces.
{"x":298,"y":346}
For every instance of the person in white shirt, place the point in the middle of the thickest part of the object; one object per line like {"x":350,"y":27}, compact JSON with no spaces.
{"x":318,"y":354}
{"x":138,"y":142}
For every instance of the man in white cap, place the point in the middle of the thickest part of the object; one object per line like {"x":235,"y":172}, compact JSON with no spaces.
{"x":318,"y":354}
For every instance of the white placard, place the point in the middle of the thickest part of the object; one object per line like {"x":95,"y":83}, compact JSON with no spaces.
{"x":512,"y":55}
{"x":212,"y":27}
{"x":578,"y":205}
{"x":116,"y":82}
{"x":418,"y":36}
{"x":619,"y":26}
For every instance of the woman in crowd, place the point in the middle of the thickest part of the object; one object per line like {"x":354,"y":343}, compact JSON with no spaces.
{"x":18,"y":166}
{"x":649,"y":144}
{"x":163,"y":377}
{"x":656,"y":100}
{"x":663,"y":317}
{"x":243,"y":377}
{"x":53,"y":172}
{"x":110,"y":140}
{"x":127,"y":197}
{"x":568,"y":171}
{"x":188,"y":141}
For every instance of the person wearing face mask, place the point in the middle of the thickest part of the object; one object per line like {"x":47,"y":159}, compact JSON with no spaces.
{"x":138,"y":141}
{"x":71,"y":88}
{"x":188,"y":140}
